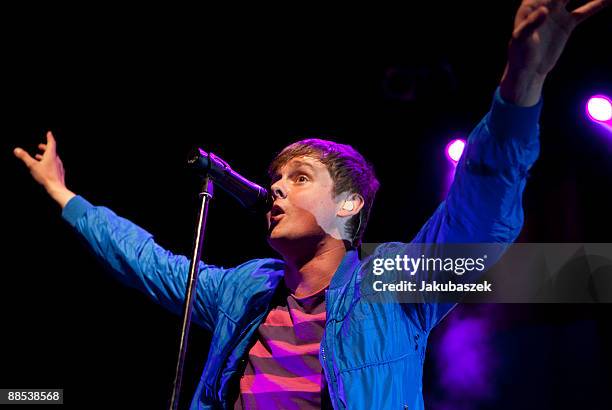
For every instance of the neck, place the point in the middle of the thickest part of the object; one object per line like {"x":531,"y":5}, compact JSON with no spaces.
{"x":308,"y":275}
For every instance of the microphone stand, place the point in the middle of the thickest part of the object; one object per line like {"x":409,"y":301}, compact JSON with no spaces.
{"x":206,"y":194}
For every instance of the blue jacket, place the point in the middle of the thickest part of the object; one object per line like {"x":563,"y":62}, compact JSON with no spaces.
{"x":372,"y":353}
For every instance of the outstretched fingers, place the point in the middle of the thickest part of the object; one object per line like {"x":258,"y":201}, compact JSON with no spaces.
{"x":592,"y":7}
{"x":48,"y":148}
{"x":51,"y":142}
{"x":25,"y":157}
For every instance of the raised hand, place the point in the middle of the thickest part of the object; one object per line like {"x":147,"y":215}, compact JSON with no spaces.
{"x":47,"y":169}
{"x":541,"y":31}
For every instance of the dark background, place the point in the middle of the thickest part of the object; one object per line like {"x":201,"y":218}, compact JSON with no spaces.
{"x":128,"y":92}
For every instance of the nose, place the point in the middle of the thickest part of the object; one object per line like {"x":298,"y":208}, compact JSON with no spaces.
{"x":278,"y":191}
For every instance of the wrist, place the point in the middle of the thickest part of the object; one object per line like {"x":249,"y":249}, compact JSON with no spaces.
{"x":60,"y":194}
{"x":522,"y":87}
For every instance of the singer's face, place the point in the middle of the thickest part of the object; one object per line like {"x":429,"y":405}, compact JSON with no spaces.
{"x":305,"y":210}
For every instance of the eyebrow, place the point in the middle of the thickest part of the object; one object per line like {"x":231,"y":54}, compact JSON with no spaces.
{"x":297,"y":164}
{"x":294,"y":164}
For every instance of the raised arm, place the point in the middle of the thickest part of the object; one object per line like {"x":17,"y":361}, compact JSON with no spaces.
{"x":484,"y":203}
{"x":129,"y":251}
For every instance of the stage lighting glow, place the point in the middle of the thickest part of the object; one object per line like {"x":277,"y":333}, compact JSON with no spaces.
{"x":454,"y":149}
{"x":599,"y":108}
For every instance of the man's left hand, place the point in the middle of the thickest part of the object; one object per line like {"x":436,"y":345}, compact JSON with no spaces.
{"x":541,"y":31}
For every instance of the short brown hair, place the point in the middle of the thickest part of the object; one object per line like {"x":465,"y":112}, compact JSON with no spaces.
{"x":348,"y":169}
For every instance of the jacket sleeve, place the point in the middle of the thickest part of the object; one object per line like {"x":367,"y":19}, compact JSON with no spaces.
{"x":484,"y":203}
{"x":134,"y":258}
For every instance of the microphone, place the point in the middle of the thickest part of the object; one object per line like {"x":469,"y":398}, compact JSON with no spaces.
{"x":247,"y":193}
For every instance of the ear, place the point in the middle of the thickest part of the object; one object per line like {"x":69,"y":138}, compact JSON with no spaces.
{"x":351,"y":205}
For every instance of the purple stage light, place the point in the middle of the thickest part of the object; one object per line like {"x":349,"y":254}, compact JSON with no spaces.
{"x":454,"y":149}
{"x":465,"y":358}
{"x":599,"y":108}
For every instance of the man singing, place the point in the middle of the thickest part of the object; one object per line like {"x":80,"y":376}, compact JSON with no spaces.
{"x":294,"y":333}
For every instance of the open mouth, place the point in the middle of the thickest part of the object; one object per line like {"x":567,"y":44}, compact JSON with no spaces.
{"x":276,"y":210}
{"x":276,"y":214}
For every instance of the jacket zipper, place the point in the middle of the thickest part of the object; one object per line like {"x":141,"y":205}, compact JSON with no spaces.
{"x":328,"y":369}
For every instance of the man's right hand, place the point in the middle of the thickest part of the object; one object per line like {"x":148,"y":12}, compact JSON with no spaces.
{"x":47,"y":169}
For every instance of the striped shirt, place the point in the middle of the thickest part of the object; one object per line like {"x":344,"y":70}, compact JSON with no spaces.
{"x":283,"y":369}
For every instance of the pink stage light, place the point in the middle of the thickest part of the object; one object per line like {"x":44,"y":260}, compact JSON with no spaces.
{"x":454,"y":149}
{"x":599,"y":108}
